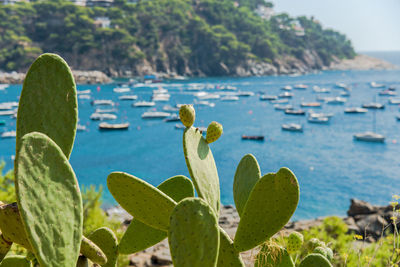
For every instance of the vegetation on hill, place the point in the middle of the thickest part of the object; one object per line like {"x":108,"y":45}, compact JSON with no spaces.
{"x":192,"y":37}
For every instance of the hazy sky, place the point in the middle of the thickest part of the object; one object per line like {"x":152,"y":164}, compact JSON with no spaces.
{"x":372,"y":25}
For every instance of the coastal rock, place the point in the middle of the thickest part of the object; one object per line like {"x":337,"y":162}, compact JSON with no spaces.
{"x":359,"y":207}
{"x":362,"y":62}
{"x":372,"y":224}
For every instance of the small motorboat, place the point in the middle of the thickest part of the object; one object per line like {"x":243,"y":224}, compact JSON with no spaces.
{"x":321,"y":120}
{"x":370,"y":137}
{"x":300,"y":86}
{"x":204,"y":103}
{"x":287,"y":88}
{"x":122,"y":90}
{"x":81,"y":128}
{"x":103,"y":102}
{"x":209,"y":96}
{"x":180,"y":126}
{"x":268,"y":97}
{"x":280,"y":101}
{"x":355,"y":110}
{"x":83,"y":92}
{"x":113,"y":126}
{"x":292,"y":127}
{"x":102,"y":116}
{"x":394,"y":101}
{"x":170,"y":108}
{"x":140,"y":104}
{"x":253,"y":137}
{"x":160,"y":90}
{"x":373,"y":105}
{"x":155,"y":115}
{"x":109,"y":110}
{"x":345,"y":93}
{"x":283,"y":107}
{"x":310,"y":104}
{"x":286,"y":95}
{"x":230,"y":98}
{"x":335,"y":100}
{"x":387,"y":93}
{"x":315,"y":114}
{"x":173,"y":117}
{"x":392,"y":88}
{"x":298,"y":112}
{"x":341,"y":86}
{"x":245,"y":93}
{"x":9,"y":134}
{"x":127,"y":97}
{"x":7,"y":112}
{"x":161,"y":97}
{"x":376,"y":85}
{"x":319,"y":90}
{"x":87,"y":97}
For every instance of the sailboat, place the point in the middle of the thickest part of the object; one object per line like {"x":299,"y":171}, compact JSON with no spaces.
{"x":370,"y":136}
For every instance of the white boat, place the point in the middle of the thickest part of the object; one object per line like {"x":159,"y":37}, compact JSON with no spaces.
{"x":81,"y":128}
{"x":8,"y":112}
{"x":321,"y":120}
{"x":143,"y":104}
{"x":394,"y":101}
{"x":373,"y":105}
{"x":173,"y":117}
{"x":345,"y":93}
{"x":109,"y":110}
{"x":227,"y":88}
{"x":5,"y":106}
{"x":315,"y":114}
{"x":230,"y":98}
{"x":370,"y":137}
{"x":122,"y":90}
{"x":317,"y":89}
{"x":155,"y":115}
{"x":387,"y":93}
{"x":298,"y":112}
{"x":209,"y":96}
{"x":282,"y":107}
{"x":88,"y":97}
{"x":204,"y":103}
{"x":3,"y":86}
{"x":300,"y":86}
{"x":310,"y":104}
{"x":355,"y":110}
{"x":341,"y":86}
{"x":245,"y":93}
{"x":113,"y":126}
{"x":170,"y":108}
{"x":127,"y":97}
{"x":335,"y":100}
{"x":83,"y":92}
{"x":103,"y":102}
{"x":160,"y":91}
{"x":376,"y":85}
{"x":161,"y":97}
{"x":268,"y":97}
{"x":280,"y":101}
{"x":286,"y":95}
{"x":9,"y":134}
{"x":292,"y":127}
{"x":102,"y":116}
{"x":287,"y":88}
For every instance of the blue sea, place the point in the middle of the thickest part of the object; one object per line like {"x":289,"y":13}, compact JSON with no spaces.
{"x":331,"y":167}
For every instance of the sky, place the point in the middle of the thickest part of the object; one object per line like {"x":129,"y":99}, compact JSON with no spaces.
{"x":371,"y":25}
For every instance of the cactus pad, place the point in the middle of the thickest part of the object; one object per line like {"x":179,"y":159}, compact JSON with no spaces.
{"x":202,"y":168}
{"x":294,"y":242}
{"x":247,"y":175}
{"x":271,"y":203}
{"x":272,"y":255}
{"x":140,"y":236}
{"x":91,"y":251}
{"x":187,"y":114}
{"x":4,"y":247}
{"x":315,"y":260}
{"x":11,"y":225}
{"x":82,"y":262}
{"x":48,"y":102}
{"x":142,"y":200}
{"x":193,"y":235}
{"x":106,"y":240}
{"x":55,"y":204}
{"x":15,"y":261}
{"x":227,"y":254}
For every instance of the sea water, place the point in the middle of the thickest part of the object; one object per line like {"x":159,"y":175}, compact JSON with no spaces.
{"x":330,"y":165}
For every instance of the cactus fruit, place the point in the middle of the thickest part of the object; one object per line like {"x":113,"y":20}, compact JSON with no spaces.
{"x":246,"y":176}
{"x":187,"y":114}
{"x":227,"y":255}
{"x":313,"y":243}
{"x":273,"y":255}
{"x":142,"y":200}
{"x":91,"y":251}
{"x":11,"y":225}
{"x":140,"y":236}
{"x":4,"y":247}
{"x":48,"y":102}
{"x":321,"y":250}
{"x":294,"y":242}
{"x":202,"y":168}
{"x":214,"y":132}
{"x":271,"y":203}
{"x":193,"y":235}
{"x":46,"y":182}
{"x":15,"y":261}
{"x":106,"y":240}
{"x":315,"y":260}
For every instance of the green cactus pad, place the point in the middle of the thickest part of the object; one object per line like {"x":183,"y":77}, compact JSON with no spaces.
{"x":227,"y":254}
{"x":48,"y":102}
{"x":294,"y":242}
{"x":4,"y":247}
{"x":142,"y":200}
{"x":11,"y":225}
{"x":55,"y":204}
{"x":193,"y":235}
{"x":202,"y":169}
{"x":329,"y":254}
{"x":315,"y":260}
{"x":321,"y":250}
{"x":106,"y":240}
{"x":15,"y":261}
{"x":82,"y":262}
{"x":271,"y":255}
{"x":140,"y":236}
{"x":313,"y":243}
{"x":91,"y":251}
{"x":247,"y":175}
{"x":271,"y":203}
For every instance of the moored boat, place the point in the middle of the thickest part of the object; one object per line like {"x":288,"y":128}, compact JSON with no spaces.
{"x":355,"y":110}
{"x":253,"y":137}
{"x":292,"y":127}
{"x":127,"y":97}
{"x":298,"y":112}
{"x":103,"y":102}
{"x":311,"y":104}
{"x":370,"y":137}
{"x":9,"y":134}
{"x":155,"y":115}
{"x":373,"y":105}
{"x":102,"y":116}
{"x":113,"y":126}
{"x":140,"y":104}
{"x":268,"y":97}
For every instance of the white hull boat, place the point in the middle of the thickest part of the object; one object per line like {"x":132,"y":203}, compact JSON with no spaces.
{"x":370,"y":137}
{"x":155,"y":115}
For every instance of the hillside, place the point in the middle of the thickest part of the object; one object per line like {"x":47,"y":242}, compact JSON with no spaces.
{"x":186,"y":37}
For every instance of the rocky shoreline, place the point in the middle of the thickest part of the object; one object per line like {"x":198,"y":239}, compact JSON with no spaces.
{"x":283,"y":66}
{"x":363,"y":219}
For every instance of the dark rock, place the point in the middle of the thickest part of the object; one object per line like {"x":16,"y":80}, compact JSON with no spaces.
{"x":359,"y":207}
{"x":372,"y":224}
{"x":161,"y":259}
{"x":351,"y":225}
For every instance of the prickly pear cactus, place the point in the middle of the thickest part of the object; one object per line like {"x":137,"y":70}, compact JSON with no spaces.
{"x":193,"y":235}
{"x":272,"y":255}
{"x":91,"y":251}
{"x":271,"y":203}
{"x":48,"y":102}
{"x":214,"y":132}
{"x":294,"y":242}
{"x":227,"y":254}
{"x":202,"y":168}
{"x":247,"y":175}
{"x":187,"y":114}
{"x":15,"y":261}
{"x":321,"y":250}
{"x":315,"y":260}
{"x":49,"y":200}
{"x":140,"y":236}
{"x":142,"y":200}
{"x":313,"y":243}
{"x":11,"y":225}
{"x":82,"y":262}
{"x":4,"y":247}
{"x":106,"y":240}
{"x":329,"y":254}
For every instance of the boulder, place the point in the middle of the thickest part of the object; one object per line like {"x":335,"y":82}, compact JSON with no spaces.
{"x":372,"y":224}
{"x":359,"y":207}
